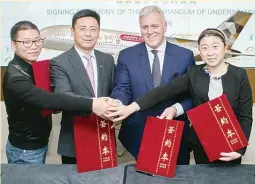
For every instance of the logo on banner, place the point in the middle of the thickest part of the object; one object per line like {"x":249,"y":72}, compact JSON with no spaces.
{"x":8,"y":59}
{"x":131,"y":38}
{"x":251,"y":49}
{"x":252,"y":37}
{"x":8,"y":48}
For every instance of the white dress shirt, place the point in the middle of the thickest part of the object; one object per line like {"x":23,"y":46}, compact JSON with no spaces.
{"x":215,"y":88}
{"x":161,"y":55}
{"x":94,"y":64}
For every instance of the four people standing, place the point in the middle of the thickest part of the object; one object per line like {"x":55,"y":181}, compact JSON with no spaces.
{"x":155,"y":77}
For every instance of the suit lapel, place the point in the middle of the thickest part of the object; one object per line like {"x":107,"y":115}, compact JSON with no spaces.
{"x":167,"y":65}
{"x":100,"y":72}
{"x":77,"y":63}
{"x":145,"y":66}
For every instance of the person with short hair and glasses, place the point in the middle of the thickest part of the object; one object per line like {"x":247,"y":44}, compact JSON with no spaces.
{"x":28,"y":131}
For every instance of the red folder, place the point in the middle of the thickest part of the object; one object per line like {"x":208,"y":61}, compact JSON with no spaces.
{"x":42,"y":79}
{"x":94,"y":143}
{"x":217,"y":127}
{"x":160,"y":146}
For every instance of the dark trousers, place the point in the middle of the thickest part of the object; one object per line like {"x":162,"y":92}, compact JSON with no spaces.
{"x":185,"y":147}
{"x":184,"y":153}
{"x":68,"y":160}
{"x":201,"y":157}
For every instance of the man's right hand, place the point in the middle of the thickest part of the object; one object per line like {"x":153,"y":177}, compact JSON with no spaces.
{"x":99,"y":106}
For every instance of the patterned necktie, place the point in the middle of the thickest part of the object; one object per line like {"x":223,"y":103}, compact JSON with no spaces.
{"x":156,"y":74}
{"x":89,"y":68}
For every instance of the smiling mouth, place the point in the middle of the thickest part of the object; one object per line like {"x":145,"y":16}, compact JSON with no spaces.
{"x":151,"y":37}
{"x":33,"y":53}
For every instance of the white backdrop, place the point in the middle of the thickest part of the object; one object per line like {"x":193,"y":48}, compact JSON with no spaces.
{"x":186,"y":19}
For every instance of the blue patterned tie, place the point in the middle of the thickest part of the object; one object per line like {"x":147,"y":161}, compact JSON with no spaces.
{"x":156,"y":74}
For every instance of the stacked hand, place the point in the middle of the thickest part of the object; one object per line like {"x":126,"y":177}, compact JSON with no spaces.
{"x":120,"y":112}
{"x":100,"y":105}
{"x":114,"y":111}
{"x":111,"y":109}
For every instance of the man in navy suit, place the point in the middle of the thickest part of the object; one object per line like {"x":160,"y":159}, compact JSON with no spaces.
{"x":145,"y":66}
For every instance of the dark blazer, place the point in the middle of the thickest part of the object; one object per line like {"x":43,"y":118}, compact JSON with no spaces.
{"x":69,"y":76}
{"x":24,"y":102}
{"x":133,"y":79}
{"x":235,"y":84}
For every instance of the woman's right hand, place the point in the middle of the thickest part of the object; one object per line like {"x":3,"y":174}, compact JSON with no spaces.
{"x":121,"y":112}
{"x":169,"y":113}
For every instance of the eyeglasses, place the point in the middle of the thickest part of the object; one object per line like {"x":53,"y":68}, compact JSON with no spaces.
{"x":29,"y":43}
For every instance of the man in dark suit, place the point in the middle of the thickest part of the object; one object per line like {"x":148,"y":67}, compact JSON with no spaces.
{"x":145,"y":66}
{"x":81,"y":71}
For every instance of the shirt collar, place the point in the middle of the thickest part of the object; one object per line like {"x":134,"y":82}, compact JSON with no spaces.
{"x":207,"y":72}
{"x":81,"y":54}
{"x":161,"y":48}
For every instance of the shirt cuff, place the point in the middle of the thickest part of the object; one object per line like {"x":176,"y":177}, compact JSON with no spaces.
{"x":179,"y":109}
{"x":118,"y":101}
{"x":137,"y":106}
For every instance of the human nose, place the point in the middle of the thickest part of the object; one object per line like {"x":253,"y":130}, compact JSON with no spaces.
{"x":150,"y":30}
{"x":210,"y":52}
{"x":87,"y":33}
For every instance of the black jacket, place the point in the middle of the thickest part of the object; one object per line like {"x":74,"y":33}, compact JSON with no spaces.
{"x":235,"y":85}
{"x":24,"y":102}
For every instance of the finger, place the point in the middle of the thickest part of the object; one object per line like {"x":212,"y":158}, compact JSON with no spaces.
{"x":113,"y":103}
{"x":113,"y":126}
{"x":111,"y":108}
{"x":224,"y":154}
{"x":103,"y":117}
{"x":163,"y":115}
{"x":106,"y":118}
{"x":106,"y":98}
{"x":120,"y":118}
{"x":226,"y":159}
{"x":169,"y":117}
{"x":113,"y":114}
{"x":116,"y":124}
{"x":108,"y":112}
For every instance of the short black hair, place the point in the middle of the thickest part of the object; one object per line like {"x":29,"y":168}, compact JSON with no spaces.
{"x":22,"y":25}
{"x":85,"y":13}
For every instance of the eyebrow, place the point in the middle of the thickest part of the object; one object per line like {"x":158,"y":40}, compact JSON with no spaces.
{"x":31,"y":39}
{"x":215,"y":43}
{"x":150,"y":25}
{"x":86,"y":26}
{"x":211,"y":44}
{"x":203,"y":45}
